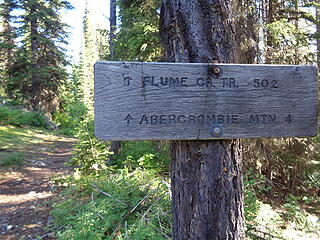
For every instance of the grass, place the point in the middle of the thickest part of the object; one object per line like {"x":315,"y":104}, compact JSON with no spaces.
{"x":12,"y":159}
{"x":19,"y":144}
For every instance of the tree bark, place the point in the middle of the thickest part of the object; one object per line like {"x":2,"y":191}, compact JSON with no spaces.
{"x":206,"y":175}
{"x":296,"y":25}
{"x":113,"y":27}
{"x":115,"y":145}
{"x":269,"y":43}
{"x":318,"y":36}
{"x":34,"y":58}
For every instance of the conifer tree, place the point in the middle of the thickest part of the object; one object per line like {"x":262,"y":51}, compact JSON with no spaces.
{"x":138,"y":36}
{"x":7,"y":39}
{"x":89,"y":55}
{"x":38,"y":72}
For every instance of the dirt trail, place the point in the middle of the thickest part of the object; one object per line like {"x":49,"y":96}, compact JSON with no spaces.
{"x":26,"y":191}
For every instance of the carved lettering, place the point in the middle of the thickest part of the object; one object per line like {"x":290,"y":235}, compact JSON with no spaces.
{"x":164,"y":81}
{"x":174,"y":82}
{"x":182,"y":119}
{"x":145,"y":81}
{"x":209,"y":119}
{"x":254,"y":119}
{"x":208,"y":82}
{"x":144,"y":119}
{"x":153,"y":83}
{"x":154,"y":119}
{"x":201,"y":119}
{"x":164,"y":119}
{"x":229,"y":83}
{"x":262,"y":119}
{"x":288,"y":119}
{"x":172,"y":119}
{"x":265,"y":83}
{"x":126,"y":81}
{"x":183,"y":82}
{"x":201,"y":82}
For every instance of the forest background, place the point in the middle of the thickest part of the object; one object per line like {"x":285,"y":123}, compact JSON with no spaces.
{"x":121,"y":190}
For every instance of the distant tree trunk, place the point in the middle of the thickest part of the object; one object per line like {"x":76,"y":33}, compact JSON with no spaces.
{"x":318,"y":36}
{"x":34,"y":49}
{"x":269,"y":43}
{"x":206,"y":175}
{"x":115,"y":145}
{"x":247,"y":31}
{"x":296,"y":25}
{"x":113,"y":27}
{"x":7,"y":38}
{"x":89,"y":56}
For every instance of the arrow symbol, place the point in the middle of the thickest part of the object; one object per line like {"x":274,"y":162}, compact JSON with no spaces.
{"x":128,"y":119}
{"x":127,"y":81}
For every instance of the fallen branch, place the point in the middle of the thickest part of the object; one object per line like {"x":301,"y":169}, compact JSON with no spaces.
{"x":104,"y":193}
{"x":47,"y":234}
{"x":145,"y":213}
{"x":131,"y":211}
{"x":94,"y":204}
{"x":264,"y":233}
{"x":169,"y":187}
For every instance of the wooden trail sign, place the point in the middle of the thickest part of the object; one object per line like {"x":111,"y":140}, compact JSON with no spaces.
{"x":136,"y":101}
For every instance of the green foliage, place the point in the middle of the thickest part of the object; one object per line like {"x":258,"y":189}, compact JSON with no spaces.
{"x":88,"y":56}
{"x":144,"y":154}
{"x":7,"y":39}
{"x":71,"y":110}
{"x":293,"y":211}
{"x":69,"y":118}
{"x":254,"y":186}
{"x":290,"y":45}
{"x":251,"y":201}
{"x":37,"y":72}
{"x":18,"y":117}
{"x":300,"y":159}
{"x":123,"y":205}
{"x":298,"y":218}
{"x":12,"y":159}
{"x":291,"y":163}
{"x":138,"y":38}
{"x":90,"y":154}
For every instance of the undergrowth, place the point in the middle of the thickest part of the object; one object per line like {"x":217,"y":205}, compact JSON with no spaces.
{"x":12,"y":159}
{"x":120,"y":205}
{"x":19,"y":117}
{"x":70,"y":116}
{"x":128,"y":196}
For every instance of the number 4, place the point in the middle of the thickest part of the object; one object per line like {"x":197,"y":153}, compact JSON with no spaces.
{"x":288,"y":119}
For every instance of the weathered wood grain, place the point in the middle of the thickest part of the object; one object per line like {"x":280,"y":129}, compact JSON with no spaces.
{"x":135,"y":101}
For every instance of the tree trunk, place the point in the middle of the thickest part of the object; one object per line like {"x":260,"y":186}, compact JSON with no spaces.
{"x":296,"y":25}
{"x":206,"y":175}
{"x":34,"y":49}
{"x":269,"y":43}
{"x":318,"y":36}
{"x":8,"y":34}
{"x":113,"y":27}
{"x":115,"y":145}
